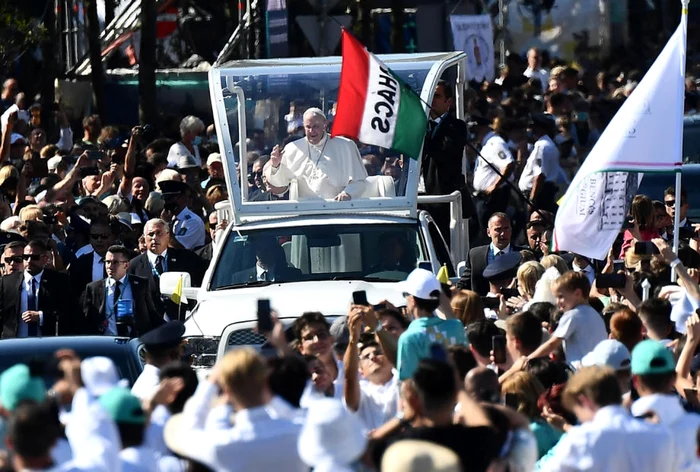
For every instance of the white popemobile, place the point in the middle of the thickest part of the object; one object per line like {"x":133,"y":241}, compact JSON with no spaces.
{"x":321,"y":250}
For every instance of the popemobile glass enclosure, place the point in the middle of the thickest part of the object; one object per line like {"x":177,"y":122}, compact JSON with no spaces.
{"x":251,"y":101}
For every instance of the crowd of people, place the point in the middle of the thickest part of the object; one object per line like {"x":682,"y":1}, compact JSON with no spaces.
{"x":533,"y":360}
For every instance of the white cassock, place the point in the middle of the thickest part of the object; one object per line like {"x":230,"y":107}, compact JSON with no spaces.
{"x":322,"y":170}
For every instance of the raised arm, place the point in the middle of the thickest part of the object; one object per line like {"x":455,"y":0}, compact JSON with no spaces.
{"x":351,"y":360}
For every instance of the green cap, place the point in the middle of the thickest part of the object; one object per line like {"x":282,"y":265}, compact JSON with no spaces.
{"x":652,"y":357}
{"x":17,"y":385}
{"x":123,"y":407}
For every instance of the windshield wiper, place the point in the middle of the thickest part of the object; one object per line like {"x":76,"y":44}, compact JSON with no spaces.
{"x":364,"y":278}
{"x":252,"y":283}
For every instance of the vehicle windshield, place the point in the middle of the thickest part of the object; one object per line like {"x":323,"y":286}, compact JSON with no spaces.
{"x":275,"y":99}
{"x":376,"y":252}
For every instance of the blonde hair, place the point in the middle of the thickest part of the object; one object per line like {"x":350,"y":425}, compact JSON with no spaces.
{"x":598,"y":384}
{"x":467,"y":306}
{"x":6,"y":172}
{"x":527,"y":389}
{"x":31,"y":212}
{"x":244,"y":375}
{"x":528,"y":275}
{"x":553,"y":260}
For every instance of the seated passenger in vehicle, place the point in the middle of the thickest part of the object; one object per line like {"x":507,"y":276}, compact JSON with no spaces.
{"x":271,"y":264}
{"x":325,"y":167}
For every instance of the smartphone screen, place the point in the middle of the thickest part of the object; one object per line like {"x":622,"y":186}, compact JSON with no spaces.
{"x":511,"y":401}
{"x":264,"y":316}
{"x":498,"y":345}
{"x":360,"y":298}
{"x":490,"y":303}
{"x":610,"y":281}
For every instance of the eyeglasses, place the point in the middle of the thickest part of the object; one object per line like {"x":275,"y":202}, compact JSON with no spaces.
{"x":321,"y":335}
{"x":103,"y":236}
{"x":14,"y":259}
{"x":670,"y":203}
{"x":114,"y":262}
{"x":369,"y":355}
{"x":32,"y":257}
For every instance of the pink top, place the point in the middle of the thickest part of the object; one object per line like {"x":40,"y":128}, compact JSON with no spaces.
{"x":627,"y":239}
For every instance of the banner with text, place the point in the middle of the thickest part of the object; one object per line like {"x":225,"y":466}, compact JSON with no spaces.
{"x":473,"y":34}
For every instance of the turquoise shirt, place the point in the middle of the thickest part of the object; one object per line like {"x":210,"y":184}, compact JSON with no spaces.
{"x":415,"y":342}
{"x":547,"y":437}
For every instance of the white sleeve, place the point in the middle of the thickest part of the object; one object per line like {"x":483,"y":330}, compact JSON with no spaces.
{"x":280,"y":176}
{"x":65,"y":140}
{"x":355,"y":171}
{"x":92,"y":434}
{"x":566,"y":327}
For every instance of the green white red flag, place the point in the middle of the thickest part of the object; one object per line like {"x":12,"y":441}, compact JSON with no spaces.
{"x":374,"y":106}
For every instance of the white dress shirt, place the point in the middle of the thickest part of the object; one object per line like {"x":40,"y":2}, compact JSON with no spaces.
{"x":152,"y":259}
{"x":147,"y":383}
{"x":258,"y":440}
{"x":378,"y":403}
{"x":544,"y":159}
{"x":98,"y":267}
{"x":495,"y":150}
{"x":189,"y":229}
{"x":23,"y":327}
{"x":684,"y":426}
{"x":125,"y":294}
{"x":541,"y":74}
{"x":614,"y":441}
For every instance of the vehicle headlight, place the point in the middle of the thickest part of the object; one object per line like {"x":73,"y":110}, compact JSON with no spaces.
{"x":202,"y":350}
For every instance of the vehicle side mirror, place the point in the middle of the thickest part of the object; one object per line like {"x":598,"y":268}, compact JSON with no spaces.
{"x":461,"y":267}
{"x":170,"y":280}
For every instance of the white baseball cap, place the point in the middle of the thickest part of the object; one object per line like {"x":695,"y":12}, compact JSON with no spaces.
{"x":610,"y":353}
{"x":53,"y":163}
{"x":213,"y":157}
{"x":421,"y":283}
{"x":100,"y":375}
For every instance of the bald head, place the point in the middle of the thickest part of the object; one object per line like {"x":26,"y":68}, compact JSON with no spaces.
{"x":481,"y":384}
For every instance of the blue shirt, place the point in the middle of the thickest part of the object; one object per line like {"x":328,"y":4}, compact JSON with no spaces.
{"x":415,"y":342}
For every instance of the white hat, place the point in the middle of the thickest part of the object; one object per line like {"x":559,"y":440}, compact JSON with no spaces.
{"x":610,"y":353}
{"x":125,"y":218}
{"x":421,"y":284}
{"x":213,"y":157}
{"x":331,"y":434}
{"x":186,"y":161}
{"x":54,"y":162}
{"x":100,"y":375}
{"x":418,"y":456}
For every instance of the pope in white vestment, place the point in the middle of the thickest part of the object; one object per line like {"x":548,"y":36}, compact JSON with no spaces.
{"x":324,"y":167}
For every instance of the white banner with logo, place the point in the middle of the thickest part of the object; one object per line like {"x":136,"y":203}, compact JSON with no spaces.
{"x":473,"y":34}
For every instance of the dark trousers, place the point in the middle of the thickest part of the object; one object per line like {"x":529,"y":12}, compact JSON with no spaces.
{"x":487,"y":205}
{"x":545,"y":198}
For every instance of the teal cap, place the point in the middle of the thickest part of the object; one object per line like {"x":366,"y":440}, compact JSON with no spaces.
{"x":652,"y":357}
{"x":123,"y":407}
{"x":17,"y":385}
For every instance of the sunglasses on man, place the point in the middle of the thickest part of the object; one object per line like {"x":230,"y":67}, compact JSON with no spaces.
{"x":670,"y":203}
{"x":14,"y":260}
{"x":31,"y":257}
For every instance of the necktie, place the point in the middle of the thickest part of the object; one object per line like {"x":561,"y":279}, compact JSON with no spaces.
{"x":104,"y":268}
{"x":499,"y":254}
{"x":431,"y":127}
{"x":32,"y":328}
{"x":159,"y":265}
{"x":117,"y":294}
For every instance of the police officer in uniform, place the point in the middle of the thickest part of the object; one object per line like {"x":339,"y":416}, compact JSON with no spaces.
{"x":162,"y":345}
{"x":492,"y":191}
{"x":542,"y":167}
{"x":187,"y":227}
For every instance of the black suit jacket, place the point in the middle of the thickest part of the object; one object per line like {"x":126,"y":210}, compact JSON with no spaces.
{"x":441,"y":166}
{"x":206,"y":252}
{"x":178,"y":260}
{"x":282,"y":274}
{"x":477,"y":260}
{"x":146,"y":316}
{"x":54,"y":301}
{"x":80,"y":271}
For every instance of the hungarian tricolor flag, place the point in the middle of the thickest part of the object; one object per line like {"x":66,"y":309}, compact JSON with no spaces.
{"x":374,"y":106}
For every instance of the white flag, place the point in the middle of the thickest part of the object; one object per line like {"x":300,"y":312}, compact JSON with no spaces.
{"x":645,"y":135}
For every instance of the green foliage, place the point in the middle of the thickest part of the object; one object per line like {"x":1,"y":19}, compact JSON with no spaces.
{"x":18,"y":33}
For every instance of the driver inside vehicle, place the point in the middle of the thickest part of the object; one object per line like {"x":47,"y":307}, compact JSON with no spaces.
{"x":270,"y":264}
{"x":395,"y":254}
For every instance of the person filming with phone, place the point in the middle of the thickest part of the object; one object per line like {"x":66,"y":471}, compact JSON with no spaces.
{"x":643,"y":221}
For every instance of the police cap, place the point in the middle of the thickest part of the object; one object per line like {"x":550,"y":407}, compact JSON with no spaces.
{"x":171,"y":188}
{"x":164,"y":337}
{"x":503,"y":267}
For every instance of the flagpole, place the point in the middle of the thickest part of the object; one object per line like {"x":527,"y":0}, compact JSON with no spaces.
{"x":678,"y":203}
